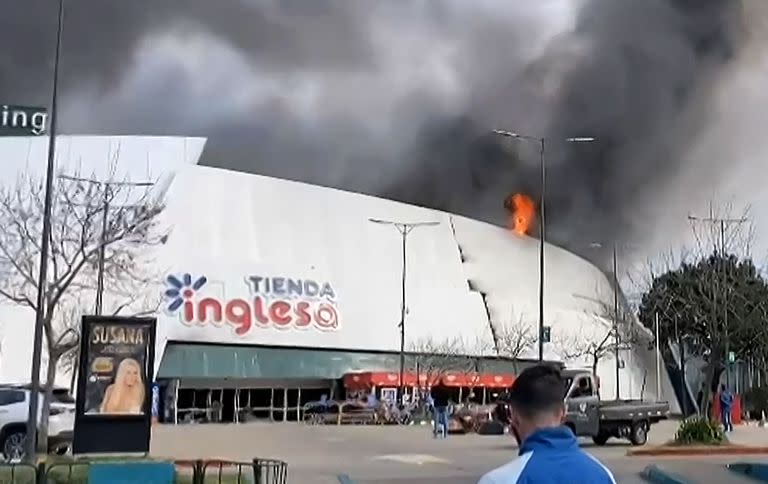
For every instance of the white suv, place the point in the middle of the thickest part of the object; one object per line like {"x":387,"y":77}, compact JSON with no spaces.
{"x":14,"y":409}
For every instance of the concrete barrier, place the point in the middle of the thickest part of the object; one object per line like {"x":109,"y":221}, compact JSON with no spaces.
{"x":657,"y":475}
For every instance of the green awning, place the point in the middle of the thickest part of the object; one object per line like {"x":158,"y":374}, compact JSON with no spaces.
{"x":187,"y":360}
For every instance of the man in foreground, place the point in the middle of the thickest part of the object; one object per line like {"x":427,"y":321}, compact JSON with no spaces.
{"x":549,"y":452}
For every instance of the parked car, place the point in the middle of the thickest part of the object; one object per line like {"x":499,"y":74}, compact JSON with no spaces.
{"x":14,"y":409}
{"x":588,"y":415}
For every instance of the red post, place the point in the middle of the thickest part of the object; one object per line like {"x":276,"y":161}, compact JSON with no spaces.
{"x":735,"y":409}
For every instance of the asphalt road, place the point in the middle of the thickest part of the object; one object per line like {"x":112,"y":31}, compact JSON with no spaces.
{"x":377,"y":455}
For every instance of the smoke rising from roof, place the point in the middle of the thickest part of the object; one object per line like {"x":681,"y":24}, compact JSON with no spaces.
{"x":396,"y":99}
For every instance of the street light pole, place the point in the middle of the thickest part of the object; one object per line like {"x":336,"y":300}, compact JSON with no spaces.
{"x":404,"y":228}
{"x":106,"y":186}
{"x":542,"y":221}
{"x":615,"y":325}
{"x":40,"y":309}
{"x":541,"y":247}
{"x":616,"y":341}
{"x":658,"y":358}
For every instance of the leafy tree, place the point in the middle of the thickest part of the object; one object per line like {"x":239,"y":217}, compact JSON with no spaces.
{"x":715,"y":304}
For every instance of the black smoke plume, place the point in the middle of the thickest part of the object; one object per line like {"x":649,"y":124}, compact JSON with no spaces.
{"x":315,"y":95}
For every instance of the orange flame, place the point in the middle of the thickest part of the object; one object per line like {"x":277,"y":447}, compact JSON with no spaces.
{"x":522,"y":213}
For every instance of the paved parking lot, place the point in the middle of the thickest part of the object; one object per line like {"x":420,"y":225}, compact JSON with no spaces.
{"x":376,"y":455}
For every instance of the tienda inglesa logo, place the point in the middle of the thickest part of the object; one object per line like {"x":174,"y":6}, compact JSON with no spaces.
{"x":274,"y":302}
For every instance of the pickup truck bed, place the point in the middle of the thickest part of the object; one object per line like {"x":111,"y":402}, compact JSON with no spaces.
{"x":633,"y":410}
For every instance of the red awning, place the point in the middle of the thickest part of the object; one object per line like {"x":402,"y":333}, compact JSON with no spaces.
{"x":369,"y":379}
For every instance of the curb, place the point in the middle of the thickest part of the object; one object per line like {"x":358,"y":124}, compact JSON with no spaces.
{"x":758,"y":472}
{"x":344,"y":479}
{"x":656,"y":475}
{"x":694,"y":451}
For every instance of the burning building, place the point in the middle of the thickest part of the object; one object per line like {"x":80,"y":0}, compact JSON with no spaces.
{"x":277,"y":292}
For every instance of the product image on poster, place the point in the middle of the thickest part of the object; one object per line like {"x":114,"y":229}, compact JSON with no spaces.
{"x":116,"y":369}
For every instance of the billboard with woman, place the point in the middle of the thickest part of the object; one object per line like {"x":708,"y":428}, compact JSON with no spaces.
{"x":114,"y":390}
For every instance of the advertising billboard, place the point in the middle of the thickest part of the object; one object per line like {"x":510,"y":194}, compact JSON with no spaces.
{"x":114,"y":388}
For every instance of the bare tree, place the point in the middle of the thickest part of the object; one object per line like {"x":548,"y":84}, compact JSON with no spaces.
{"x":76,"y":238}
{"x":435,"y":359}
{"x":514,"y":339}
{"x":603,"y":341}
{"x":579,"y":346}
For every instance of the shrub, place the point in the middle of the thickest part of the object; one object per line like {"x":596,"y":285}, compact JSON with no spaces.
{"x":699,"y":430}
{"x":756,"y":401}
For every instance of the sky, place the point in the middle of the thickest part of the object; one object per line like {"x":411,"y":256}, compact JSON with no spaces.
{"x":396,"y":99}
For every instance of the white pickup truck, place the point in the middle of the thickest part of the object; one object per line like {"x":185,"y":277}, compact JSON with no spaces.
{"x":14,"y":409}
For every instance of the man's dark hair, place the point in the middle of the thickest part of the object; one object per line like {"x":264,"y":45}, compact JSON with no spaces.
{"x":537,"y":390}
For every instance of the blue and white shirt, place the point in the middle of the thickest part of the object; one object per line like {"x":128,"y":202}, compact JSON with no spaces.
{"x":551,"y":455}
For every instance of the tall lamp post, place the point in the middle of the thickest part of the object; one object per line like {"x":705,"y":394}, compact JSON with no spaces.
{"x":542,"y":144}
{"x":37,"y":346}
{"x":616,"y":290}
{"x":106,"y":199}
{"x":404,"y":228}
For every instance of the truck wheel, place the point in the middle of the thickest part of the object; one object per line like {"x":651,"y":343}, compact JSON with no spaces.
{"x":638,"y":435}
{"x":601,"y":438}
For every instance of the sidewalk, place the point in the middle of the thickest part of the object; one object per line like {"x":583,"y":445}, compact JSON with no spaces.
{"x":748,"y":435}
{"x":744,"y":440}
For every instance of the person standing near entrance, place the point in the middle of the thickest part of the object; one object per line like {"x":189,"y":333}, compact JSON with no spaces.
{"x":440,"y":398}
{"x":726,"y":408}
{"x":549,"y":452}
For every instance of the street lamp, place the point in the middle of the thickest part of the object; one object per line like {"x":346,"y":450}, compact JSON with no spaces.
{"x":40,"y":308}
{"x":616,"y":289}
{"x":404,"y":228}
{"x":542,"y":143}
{"x":107,"y":186}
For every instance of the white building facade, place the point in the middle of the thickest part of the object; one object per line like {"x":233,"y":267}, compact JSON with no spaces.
{"x":254,"y":261}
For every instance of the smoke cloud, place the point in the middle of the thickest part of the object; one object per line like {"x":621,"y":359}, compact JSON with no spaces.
{"x":397,"y":99}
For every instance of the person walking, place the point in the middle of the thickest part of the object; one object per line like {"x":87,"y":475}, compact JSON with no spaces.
{"x":440,"y":397}
{"x":726,"y":407}
{"x":548,"y":451}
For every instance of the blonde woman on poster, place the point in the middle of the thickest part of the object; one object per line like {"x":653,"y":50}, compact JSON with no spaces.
{"x":126,"y":394}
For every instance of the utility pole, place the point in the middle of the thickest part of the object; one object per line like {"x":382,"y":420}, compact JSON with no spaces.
{"x":542,"y":221}
{"x":616,"y":339}
{"x":683,"y":384}
{"x":42,"y":280}
{"x":404,"y":228}
{"x":658,"y":357}
{"x":722,"y":224}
